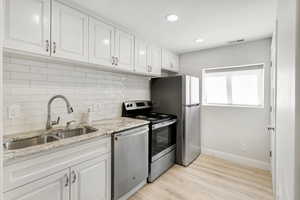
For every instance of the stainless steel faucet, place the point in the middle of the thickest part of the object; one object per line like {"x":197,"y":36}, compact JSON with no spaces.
{"x":50,"y":123}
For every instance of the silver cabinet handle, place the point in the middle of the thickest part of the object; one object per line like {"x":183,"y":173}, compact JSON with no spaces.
{"x":47,"y":45}
{"x":74,"y":177}
{"x":54,"y":47}
{"x":117,"y":61}
{"x":67,"y":180}
{"x":113,"y":60}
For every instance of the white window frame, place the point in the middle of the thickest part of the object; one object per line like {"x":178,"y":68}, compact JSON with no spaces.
{"x":229,"y":86}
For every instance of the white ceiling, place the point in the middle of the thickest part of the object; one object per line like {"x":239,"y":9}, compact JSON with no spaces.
{"x":216,"y":21}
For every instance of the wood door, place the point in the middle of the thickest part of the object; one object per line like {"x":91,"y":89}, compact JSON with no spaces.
{"x":155,"y":61}
{"x":124,"y":50}
{"x":101,"y":42}
{"x":91,"y":180}
{"x":69,"y":33}
{"x":54,"y":187}
{"x":27,"y":25}
{"x":142,"y":55}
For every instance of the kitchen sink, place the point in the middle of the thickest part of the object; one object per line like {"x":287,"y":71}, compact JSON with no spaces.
{"x":67,"y":133}
{"x":28,"y":142}
{"x":51,"y":136}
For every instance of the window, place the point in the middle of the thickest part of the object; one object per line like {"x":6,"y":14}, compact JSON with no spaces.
{"x":234,"y":86}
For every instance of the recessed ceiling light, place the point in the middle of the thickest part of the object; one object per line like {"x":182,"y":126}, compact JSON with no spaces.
{"x":172,"y":18}
{"x":199,"y":40}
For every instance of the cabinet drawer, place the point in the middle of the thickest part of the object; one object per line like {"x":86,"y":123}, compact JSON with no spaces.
{"x":36,"y":167}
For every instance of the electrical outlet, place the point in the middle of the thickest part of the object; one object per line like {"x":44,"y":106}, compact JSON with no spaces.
{"x":97,"y":107}
{"x":14,"y":111}
{"x":91,"y":108}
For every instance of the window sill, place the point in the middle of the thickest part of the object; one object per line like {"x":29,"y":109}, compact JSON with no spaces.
{"x":233,"y":106}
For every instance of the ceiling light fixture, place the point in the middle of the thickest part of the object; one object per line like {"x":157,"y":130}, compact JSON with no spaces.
{"x":172,"y":18}
{"x":199,"y":40}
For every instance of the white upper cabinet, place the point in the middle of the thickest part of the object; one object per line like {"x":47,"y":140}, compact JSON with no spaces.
{"x":170,"y":61}
{"x":147,"y":58}
{"x":69,"y":33}
{"x":27,"y":25}
{"x":101,"y":43}
{"x":91,"y":180}
{"x":155,"y":60}
{"x":142,"y":57}
{"x":54,"y":187}
{"x":124,"y":50}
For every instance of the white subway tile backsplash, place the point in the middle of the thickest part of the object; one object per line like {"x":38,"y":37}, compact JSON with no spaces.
{"x":31,"y":84}
{"x":27,"y":76}
{"x":16,"y":68}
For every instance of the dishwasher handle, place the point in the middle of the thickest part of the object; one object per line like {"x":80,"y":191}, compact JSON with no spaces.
{"x":133,"y":132}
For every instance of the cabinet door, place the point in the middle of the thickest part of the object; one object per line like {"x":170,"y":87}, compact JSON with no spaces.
{"x":101,"y":42}
{"x":174,"y":62}
{"x":54,"y":187}
{"x":91,"y":180}
{"x":170,"y":61}
{"x":69,"y":33}
{"x":155,"y":61}
{"x":142,"y":56}
{"x":27,"y":25}
{"x":166,"y":60}
{"x":124,"y":50}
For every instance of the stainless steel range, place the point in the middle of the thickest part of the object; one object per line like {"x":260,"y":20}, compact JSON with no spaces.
{"x":162,"y":135}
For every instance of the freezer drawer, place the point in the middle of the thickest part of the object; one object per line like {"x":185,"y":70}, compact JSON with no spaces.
{"x":130,"y":160}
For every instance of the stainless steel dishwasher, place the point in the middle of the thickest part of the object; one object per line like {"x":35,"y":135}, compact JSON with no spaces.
{"x":130,"y":162}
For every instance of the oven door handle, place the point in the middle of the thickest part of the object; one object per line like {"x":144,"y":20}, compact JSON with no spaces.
{"x":163,"y":124}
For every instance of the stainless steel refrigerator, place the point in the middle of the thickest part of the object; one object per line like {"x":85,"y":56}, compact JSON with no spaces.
{"x":180,"y":96}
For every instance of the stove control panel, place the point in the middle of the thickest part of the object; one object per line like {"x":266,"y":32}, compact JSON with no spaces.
{"x":136,"y":105}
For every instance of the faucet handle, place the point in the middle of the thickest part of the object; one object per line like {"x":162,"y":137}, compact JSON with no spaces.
{"x":69,"y":123}
{"x":56,"y":122}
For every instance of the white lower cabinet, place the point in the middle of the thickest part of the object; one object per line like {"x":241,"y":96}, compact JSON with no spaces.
{"x":54,"y":187}
{"x":91,"y":180}
{"x":79,"y":172}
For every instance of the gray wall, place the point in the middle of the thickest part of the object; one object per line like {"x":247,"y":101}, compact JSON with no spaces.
{"x":234,"y":132}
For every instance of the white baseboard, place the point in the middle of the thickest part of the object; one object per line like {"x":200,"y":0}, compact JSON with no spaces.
{"x":237,"y":159}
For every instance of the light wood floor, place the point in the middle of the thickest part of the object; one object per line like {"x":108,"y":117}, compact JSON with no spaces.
{"x":209,"y":178}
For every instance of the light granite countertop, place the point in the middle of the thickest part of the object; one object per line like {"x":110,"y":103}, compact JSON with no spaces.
{"x":105,"y":129}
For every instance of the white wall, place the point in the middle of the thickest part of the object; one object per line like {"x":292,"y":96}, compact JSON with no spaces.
{"x":297,"y":139}
{"x":288,"y":97}
{"x":234,"y":133}
{"x":30,"y":84}
{"x":1,"y":96}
